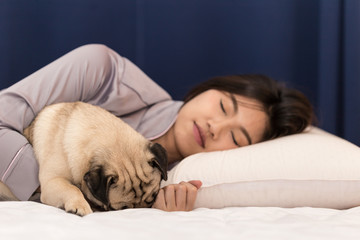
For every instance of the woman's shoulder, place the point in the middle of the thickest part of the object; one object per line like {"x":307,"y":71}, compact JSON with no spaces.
{"x":138,"y":81}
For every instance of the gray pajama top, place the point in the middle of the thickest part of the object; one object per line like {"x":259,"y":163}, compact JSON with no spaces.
{"x":92,"y":73}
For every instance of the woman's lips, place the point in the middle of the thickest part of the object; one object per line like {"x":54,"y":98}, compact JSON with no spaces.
{"x":199,"y":137}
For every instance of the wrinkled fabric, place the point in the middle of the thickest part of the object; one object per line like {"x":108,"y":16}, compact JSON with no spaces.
{"x":30,"y":220}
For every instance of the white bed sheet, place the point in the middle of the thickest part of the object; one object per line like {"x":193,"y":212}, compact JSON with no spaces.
{"x":31,"y":220}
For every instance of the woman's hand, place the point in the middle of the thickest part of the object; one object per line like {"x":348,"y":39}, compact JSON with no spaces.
{"x":178,"y":197}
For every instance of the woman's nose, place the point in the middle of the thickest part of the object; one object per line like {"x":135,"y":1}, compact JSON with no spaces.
{"x":217,"y":127}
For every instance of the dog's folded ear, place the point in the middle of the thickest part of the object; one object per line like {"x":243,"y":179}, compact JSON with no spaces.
{"x":160,"y":161}
{"x":99,"y":184}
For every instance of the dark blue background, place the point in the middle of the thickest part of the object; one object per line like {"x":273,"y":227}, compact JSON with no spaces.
{"x":313,"y":45}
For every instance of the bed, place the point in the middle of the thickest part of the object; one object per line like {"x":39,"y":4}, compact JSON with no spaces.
{"x":305,"y":186}
{"x":31,"y":220}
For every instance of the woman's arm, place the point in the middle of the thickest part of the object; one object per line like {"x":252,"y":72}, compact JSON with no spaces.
{"x":70,"y":78}
{"x":178,"y":197}
{"x":93,"y":74}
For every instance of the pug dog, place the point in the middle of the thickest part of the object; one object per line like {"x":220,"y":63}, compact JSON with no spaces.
{"x":91,"y":160}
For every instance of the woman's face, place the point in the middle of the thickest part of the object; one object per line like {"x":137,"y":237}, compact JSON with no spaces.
{"x":216,"y":120}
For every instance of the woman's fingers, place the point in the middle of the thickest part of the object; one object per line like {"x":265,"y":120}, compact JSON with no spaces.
{"x":191,"y":193}
{"x":178,"y":197}
{"x":170,"y":196}
{"x":196,"y":183}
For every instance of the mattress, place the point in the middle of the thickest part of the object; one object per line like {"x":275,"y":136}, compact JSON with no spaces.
{"x":32,"y":220}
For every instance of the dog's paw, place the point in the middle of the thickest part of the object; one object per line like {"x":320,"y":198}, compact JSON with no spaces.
{"x":78,"y":207}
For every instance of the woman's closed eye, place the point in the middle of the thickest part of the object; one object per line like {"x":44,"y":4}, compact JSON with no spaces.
{"x":234,"y":139}
{"x":222,"y":107}
{"x":231,"y":132}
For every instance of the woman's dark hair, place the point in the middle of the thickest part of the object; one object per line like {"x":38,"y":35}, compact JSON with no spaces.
{"x":289,"y":110}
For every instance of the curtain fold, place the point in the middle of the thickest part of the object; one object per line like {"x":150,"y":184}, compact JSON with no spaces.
{"x":351,"y":71}
{"x":330,"y":65}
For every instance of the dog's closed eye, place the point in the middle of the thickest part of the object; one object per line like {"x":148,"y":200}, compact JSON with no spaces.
{"x":112,"y":180}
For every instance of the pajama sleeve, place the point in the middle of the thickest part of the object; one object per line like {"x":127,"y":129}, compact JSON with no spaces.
{"x":91,"y":73}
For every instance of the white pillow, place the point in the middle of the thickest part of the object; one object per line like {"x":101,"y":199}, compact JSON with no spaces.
{"x":313,"y":168}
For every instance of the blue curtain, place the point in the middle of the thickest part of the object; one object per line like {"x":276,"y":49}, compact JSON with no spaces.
{"x":312,"y":45}
{"x":339,"y":62}
{"x":350,"y":78}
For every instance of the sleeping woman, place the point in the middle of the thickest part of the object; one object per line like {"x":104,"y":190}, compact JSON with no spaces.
{"x":222,"y":113}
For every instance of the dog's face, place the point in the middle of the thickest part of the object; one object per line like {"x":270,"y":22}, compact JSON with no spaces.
{"x":120,"y":179}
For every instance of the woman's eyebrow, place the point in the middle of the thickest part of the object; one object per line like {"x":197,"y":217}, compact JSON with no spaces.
{"x":236,"y":107}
